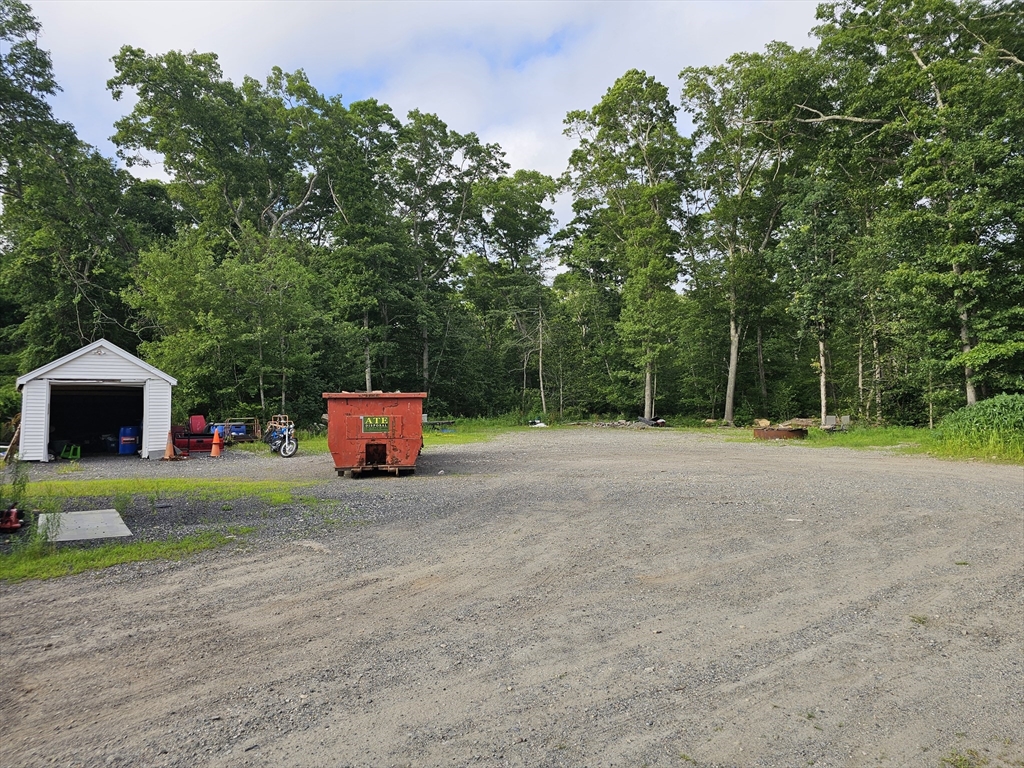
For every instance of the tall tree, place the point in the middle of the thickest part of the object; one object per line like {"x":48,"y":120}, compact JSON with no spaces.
{"x":26,"y":79}
{"x":942,"y":81}
{"x":72,"y":223}
{"x":627,"y":176}
{"x":813,"y":260}
{"x":236,"y":153}
{"x":234,"y":329}
{"x":433,"y":176}
{"x":503,"y":278}
{"x":744,"y":151}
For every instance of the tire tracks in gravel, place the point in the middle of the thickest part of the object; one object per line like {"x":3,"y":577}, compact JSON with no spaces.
{"x":575,"y":597}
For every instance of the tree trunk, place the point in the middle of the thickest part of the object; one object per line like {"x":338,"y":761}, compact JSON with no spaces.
{"x":366,"y":349}
{"x":877,"y":384}
{"x":965,"y":347}
{"x":821,"y":380}
{"x":561,"y":393}
{"x":426,"y":360}
{"x":284,"y":374}
{"x":649,"y":390}
{"x":931,"y":401}
{"x":654,"y":393}
{"x":965,"y":337}
{"x":860,"y":376}
{"x":760,"y":370}
{"x":526,"y":363}
{"x":734,"y":358}
{"x":263,"y":403}
{"x":540,"y":362}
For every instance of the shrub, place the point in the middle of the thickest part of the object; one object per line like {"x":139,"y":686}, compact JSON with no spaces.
{"x":13,"y":482}
{"x":995,"y":426}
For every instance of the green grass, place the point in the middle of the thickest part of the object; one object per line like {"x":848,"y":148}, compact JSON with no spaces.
{"x":904,"y":440}
{"x":907,"y":439}
{"x":38,"y":559}
{"x":994,"y":447}
{"x":311,"y":443}
{"x":270,"y":491}
{"x":968,"y":759}
{"x":463,"y":431}
{"x":992,"y":428}
{"x":471,"y":431}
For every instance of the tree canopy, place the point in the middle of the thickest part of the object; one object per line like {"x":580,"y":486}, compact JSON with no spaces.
{"x":840,"y":231}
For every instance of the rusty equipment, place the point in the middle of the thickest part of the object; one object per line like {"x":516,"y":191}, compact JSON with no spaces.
{"x":11,"y":520}
{"x":780,"y":433}
{"x":375,"y":431}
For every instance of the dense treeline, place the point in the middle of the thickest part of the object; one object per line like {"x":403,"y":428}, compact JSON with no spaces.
{"x":841,"y":232}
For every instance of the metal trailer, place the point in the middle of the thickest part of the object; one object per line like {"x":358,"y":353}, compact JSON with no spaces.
{"x":375,"y":431}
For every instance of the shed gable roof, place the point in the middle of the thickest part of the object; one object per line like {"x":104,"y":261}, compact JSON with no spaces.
{"x":103,"y":345}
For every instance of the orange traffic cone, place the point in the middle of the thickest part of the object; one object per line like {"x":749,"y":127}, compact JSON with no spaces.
{"x":215,"y":450}
{"x":169,"y":450}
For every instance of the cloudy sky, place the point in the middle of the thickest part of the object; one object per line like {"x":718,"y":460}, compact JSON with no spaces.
{"x":507,"y":70}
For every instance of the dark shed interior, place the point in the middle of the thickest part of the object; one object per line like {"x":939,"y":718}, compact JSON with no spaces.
{"x":91,"y":416}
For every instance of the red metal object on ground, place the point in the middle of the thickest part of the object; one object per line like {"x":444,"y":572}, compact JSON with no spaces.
{"x":11,"y":520}
{"x":780,"y":433}
{"x":374,"y":430}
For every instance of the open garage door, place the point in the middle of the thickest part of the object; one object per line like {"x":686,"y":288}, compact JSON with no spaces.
{"x":92,"y":415}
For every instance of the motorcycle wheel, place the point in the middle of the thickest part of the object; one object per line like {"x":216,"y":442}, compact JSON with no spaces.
{"x":288,"y":448}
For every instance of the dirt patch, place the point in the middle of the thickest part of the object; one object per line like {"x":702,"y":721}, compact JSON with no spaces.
{"x":562,"y":597}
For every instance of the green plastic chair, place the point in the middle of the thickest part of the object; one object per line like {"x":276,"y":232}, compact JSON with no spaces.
{"x":71,"y":451}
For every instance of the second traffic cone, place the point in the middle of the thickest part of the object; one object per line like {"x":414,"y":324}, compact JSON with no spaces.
{"x":169,"y":450}
{"x":215,"y":450}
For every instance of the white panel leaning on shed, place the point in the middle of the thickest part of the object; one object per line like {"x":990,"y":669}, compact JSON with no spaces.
{"x":96,"y":364}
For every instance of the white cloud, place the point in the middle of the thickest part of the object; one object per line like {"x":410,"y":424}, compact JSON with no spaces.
{"x":507,"y":70}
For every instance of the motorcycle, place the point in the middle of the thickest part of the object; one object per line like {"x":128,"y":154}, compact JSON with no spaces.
{"x":280,"y":435}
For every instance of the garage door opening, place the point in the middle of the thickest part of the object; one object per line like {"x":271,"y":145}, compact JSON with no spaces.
{"x":92,"y":416}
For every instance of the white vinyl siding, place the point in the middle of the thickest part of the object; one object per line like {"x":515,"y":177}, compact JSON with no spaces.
{"x":106,"y":368}
{"x":98,"y":364}
{"x":35,"y":423}
{"x":156,"y":421}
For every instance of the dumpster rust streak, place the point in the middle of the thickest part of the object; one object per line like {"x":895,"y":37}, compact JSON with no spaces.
{"x":374,"y":430}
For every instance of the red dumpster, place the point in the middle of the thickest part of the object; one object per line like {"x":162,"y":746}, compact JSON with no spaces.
{"x":375,"y":430}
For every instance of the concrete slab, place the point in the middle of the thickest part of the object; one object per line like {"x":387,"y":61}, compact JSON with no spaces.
{"x":87,"y":524}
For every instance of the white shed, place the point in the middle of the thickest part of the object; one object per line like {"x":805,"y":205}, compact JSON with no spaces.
{"x":87,"y":397}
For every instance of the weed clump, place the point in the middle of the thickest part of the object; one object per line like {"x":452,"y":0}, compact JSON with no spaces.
{"x":13,"y":482}
{"x":994,"y":426}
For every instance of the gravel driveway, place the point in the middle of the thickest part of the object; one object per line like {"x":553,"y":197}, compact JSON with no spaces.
{"x":574,"y":597}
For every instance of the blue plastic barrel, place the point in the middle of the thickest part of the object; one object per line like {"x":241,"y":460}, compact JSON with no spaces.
{"x":128,"y":440}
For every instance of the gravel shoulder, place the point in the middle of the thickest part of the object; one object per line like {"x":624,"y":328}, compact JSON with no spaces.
{"x":573,"y":597}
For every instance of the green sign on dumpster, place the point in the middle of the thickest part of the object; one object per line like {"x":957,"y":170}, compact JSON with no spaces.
{"x":376,"y":424}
